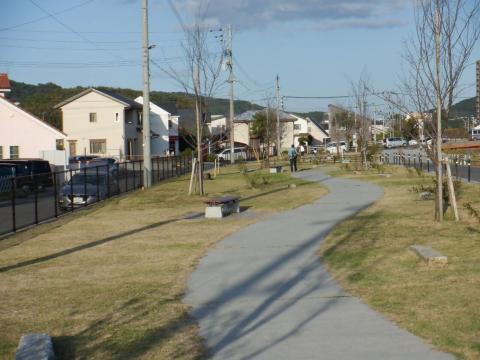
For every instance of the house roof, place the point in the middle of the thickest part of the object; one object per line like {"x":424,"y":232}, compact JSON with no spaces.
{"x":33,"y":117}
{"x":4,"y":81}
{"x":128,"y":103}
{"x":316,"y":123}
{"x":249,"y":115}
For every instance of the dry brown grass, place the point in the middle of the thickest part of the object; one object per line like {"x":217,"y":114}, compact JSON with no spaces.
{"x":369,"y":255}
{"x":107,"y":283}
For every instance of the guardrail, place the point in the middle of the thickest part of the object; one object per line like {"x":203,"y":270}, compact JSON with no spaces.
{"x":32,"y":199}
{"x":463,"y":167}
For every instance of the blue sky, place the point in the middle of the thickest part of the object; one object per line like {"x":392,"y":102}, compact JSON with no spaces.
{"x":316,"y":46}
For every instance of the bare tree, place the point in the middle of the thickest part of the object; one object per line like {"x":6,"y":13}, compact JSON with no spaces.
{"x":199,"y":76}
{"x":363,"y":125}
{"x":446,"y":33}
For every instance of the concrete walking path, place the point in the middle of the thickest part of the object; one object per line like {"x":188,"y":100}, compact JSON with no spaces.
{"x":263,"y":292}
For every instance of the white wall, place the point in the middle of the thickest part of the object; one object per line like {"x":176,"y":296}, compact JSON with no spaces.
{"x":109,"y":125}
{"x":18,"y":128}
{"x":241,"y":133}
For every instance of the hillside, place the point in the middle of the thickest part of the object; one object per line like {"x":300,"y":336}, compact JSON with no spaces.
{"x":40,"y":99}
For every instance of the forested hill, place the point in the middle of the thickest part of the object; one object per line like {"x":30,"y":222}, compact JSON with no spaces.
{"x":40,"y":99}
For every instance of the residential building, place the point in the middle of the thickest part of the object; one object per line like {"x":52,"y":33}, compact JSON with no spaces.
{"x":4,"y":84}
{"x":164,"y":122}
{"x":243,"y":129}
{"x":305,"y":127}
{"x":217,"y":125}
{"x":23,"y":135}
{"x":478,"y":91}
{"x":100,"y":122}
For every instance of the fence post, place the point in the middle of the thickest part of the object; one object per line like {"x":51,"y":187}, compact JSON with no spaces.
{"x":108,"y":180}
{"x":118,"y":178}
{"x":469,"y":170}
{"x":158,"y":169}
{"x":55,"y":193}
{"x":409,"y":160}
{"x":71,"y":190}
{"x":98,"y":183}
{"x":125,"y":164}
{"x":134,"y":179}
{"x":428,"y":165}
{"x":85,"y":186}
{"x":14,"y":196}
{"x":172,"y":170}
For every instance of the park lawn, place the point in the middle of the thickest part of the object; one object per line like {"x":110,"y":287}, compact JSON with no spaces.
{"x":107,"y":282}
{"x":368,"y":254}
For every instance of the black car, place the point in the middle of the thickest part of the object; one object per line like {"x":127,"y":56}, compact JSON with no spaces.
{"x":31,"y":174}
{"x":86,"y":188}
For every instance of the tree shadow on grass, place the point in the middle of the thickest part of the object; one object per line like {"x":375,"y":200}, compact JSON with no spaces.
{"x":86,"y":246}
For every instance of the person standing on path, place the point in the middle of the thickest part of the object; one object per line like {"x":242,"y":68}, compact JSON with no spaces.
{"x":292,"y":156}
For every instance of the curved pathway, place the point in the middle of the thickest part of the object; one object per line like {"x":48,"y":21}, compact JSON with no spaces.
{"x":263,"y":293}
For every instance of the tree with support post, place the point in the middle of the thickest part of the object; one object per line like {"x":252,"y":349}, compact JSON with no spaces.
{"x":446,"y":33}
{"x":199,"y":77}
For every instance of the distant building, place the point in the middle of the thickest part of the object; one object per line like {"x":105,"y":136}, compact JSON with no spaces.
{"x":305,"y":127}
{"x":4,"y":85}
{"x":478,"y":91}
{"x":243,"y":129}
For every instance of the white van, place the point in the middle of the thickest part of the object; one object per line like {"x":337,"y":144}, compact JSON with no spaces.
{"x":395,"y":142}
{"x":239,"y":153}
{"x":475,"y":134}
{"x":332,"y":147}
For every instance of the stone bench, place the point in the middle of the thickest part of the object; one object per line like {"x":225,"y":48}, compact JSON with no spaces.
{"x":429,"y":255}
{"x":35,"y":347}
{"x":276,"y":169}
{"x":219,"y":207}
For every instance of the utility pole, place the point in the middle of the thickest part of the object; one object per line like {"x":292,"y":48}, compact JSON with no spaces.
{"x":147,"y":159}
{"x":231,"y":80}
{"x":279,"y":144}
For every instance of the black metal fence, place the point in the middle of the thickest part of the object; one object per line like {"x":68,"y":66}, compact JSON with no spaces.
{"x":462,"y":167}
{"x":32,"y":199}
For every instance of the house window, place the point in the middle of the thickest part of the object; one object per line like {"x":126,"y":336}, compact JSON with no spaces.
{"x":170,"y":124}
{"x":93,"y":117}
{"x":297,"y":126}
{"x":309,"y":129}
{"x":60,"y":145}
{"x":14,"y":152}
{"x":1,"y":152}
{"x":98,"y":146}
{"x":72,"y":147}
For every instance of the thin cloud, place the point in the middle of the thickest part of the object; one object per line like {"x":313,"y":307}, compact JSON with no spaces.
{"x":324,"y":14}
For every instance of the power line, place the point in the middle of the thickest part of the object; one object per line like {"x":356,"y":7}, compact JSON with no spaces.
{"x":46,"y":17}
{"x":85,"y":40}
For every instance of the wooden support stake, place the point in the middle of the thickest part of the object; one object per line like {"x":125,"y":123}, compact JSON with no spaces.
{"x":451,"y":191}
{"x":192,"y":176}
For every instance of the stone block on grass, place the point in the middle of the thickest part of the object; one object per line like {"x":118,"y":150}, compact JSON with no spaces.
{"x":429,"y":255}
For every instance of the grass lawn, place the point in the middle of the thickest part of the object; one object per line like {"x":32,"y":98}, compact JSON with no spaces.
{"x":369,"y":255}
{"x":107,"y":282}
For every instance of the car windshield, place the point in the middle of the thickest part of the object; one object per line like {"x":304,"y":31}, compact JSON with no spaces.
{"x":81,"y":179}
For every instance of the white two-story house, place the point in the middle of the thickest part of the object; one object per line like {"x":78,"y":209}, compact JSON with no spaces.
{"x":165,"y":124}
{"x":305,"y":127}
{"x":100,"y":122}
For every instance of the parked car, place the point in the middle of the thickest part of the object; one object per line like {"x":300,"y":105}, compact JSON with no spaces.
{"x":332,"y":147}
{"x":394,"y":142}
{"x":85,"y":189}
{"x":31,"y":174}
{"x":7,"y":172}
{"x":79,"y":161}
{"x":475,"y":134}
{"x":239,"y":153}
{"x":412,"y":142}
{"x":104,"y":164}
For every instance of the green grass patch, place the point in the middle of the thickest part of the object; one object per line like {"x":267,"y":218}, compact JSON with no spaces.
{"x":107,"y":283}
{"x":369,"y":255}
